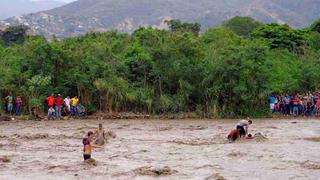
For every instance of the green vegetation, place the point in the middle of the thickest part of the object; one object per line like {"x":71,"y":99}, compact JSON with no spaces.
{"x":224,"y":72}
{"x":242,"y":26}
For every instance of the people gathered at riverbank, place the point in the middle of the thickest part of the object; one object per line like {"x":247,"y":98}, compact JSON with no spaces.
{"x":13,"y":104}
{"x":59,"y":107}
{"x":307,"y":104}
{"x":56,"y":106}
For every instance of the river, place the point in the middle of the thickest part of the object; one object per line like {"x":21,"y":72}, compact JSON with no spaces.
{"x":161,"y":149}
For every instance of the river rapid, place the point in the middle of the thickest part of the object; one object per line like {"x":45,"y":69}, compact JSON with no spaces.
{"x":161,"y":149}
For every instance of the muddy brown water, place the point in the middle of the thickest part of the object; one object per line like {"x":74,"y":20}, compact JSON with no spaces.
{"x":160,"y":149}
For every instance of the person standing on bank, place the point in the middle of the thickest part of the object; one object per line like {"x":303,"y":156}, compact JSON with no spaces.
{"x":9,"y":98}
{"x":58,"y":106}
{"x":67,"y":103}
{"x":50,"y":101}
{"x":74,"y":106}
{"x":18,"y":106}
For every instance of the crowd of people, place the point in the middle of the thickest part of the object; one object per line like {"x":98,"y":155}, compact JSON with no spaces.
{"x":307,"y":104}
{"x":56,"y":106}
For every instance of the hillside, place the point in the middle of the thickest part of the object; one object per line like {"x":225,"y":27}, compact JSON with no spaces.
{"x":126,"y":15}
{"x":9,"y":8}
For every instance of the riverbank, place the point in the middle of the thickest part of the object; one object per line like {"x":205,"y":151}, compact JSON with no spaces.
{"x":131,"y":116}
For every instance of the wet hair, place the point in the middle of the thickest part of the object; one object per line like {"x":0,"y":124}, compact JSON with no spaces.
{"x":239,"y":127}
{"x":90,"y":133}
{"x":250,"y":122}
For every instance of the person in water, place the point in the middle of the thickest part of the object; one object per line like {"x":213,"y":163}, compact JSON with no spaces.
{"x":234,"y":134}
{"x":243,"y":125}
{"x":100,"y":136}
{"x":87,"y":146}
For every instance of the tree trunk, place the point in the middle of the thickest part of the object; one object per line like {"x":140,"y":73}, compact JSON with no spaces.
{"x":145,"y":77}
{"x":160,"y":86}
{"x":28,"y":105}
{"x":100,"y":102}
{"x":109,"y":102}
{"x":79,"y":93}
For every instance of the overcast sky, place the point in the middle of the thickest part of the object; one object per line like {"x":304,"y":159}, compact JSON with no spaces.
{"x":57,"y":0}
{"x":66,"y":0}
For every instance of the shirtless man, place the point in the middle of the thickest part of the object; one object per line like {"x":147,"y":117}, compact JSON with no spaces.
{"x":234,"y":134}
{"x":87,"y":146}
{"x":100,"y":135}
{"x":243,"y":125}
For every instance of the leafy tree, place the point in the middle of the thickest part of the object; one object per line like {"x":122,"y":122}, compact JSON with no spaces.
{"x":227,"y":71}
{"x":36,"y":87}
{"x":14,"y":35}
{"x":178,"y":26}
{"x":242,"y":26}
{"x":281,"y":36}
{"x":315,"y":26}
{"x":139,"y":64}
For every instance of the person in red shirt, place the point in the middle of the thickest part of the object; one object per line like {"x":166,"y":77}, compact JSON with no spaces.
{"x":296,"y":102}
{"x":50,"y":101}
{"x":58,"y":102}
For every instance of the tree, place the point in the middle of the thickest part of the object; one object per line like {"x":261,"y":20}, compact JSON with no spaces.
{"x":112,"y":93}
{"x":36,"y":87}
{"x":242,"y":26}
{"x":14,"y":35}
{"x":235,"y":80}
{"x":281,"y":36}
{"x":139,"y":64}
{"x":315,"y":26}
{"x":178,"y":26}
{"x":223,"y":72}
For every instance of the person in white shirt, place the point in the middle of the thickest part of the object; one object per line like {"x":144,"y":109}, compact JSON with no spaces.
{"x":67,"y":102}
{"x":243,"y":125}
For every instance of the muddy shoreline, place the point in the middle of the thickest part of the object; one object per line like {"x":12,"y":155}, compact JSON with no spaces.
{"x":161,"y":149}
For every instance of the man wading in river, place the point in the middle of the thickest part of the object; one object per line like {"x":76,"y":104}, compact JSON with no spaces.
{"x":100,"y":136}
{"x":87,"y":146}
{"x":234,"y":134}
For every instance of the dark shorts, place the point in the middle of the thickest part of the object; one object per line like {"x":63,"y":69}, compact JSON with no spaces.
{"x":86,"y":156}
{"x":232,"y":138}
{"x":242,"y":131}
